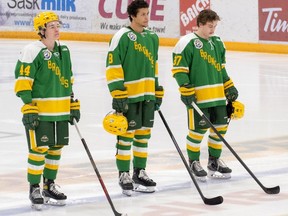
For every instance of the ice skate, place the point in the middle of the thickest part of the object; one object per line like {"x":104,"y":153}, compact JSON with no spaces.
{"x":51,"y":195}
{"x":197,"y":170}
{"x":142,"y":183}
{"x":125,"y":183}
{"x":36,"y":197}
{"x":217,"y":169}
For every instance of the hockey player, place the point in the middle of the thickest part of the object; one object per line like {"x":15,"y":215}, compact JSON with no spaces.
{"x":199,"y":69}
{"x":132,"y":77}
{"x":44,"y":83}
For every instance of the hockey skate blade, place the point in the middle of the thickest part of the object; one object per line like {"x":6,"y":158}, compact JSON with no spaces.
{"x":200,"y":178}
{"x":53,"y":202}
{"x":127,"y":192}
{"x":273,"y":190}
{"x":143,"y":189}
{"x":213,"y":201}
{"x":37,"y":207}
{"x":218,"y":175}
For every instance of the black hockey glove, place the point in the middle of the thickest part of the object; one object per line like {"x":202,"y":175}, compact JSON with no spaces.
{"x":30,"y":116}
{"x":74,"y":111}
{"x":120,"y":101}
{"x":230,"y":91}
{"x":159,"y":93}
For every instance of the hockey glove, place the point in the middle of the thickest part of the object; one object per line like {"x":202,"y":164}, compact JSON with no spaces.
{"x":230,"y":91}
{"x":30,"y":116}
{"x":159,"y":93}
{"x":74,"y":111}
{"x":120,"y":101}
{"x":187,"y":95}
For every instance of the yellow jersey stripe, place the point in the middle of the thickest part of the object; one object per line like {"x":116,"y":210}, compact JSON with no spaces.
{"x":23,"y":84}
{"x":209,"y":93}
{"x":114,"y":73}
{"x":140,"y":87}
{"x":53,"y":106}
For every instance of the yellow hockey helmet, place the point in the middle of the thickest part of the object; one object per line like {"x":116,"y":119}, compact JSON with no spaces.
{"x":235,"y":110}
{"x":43,"y":18}
{"x":115,"y":123}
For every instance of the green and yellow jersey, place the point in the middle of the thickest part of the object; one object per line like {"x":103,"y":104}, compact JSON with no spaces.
{"x":132,"y":64}
{"x":45,"y":78}
{"x":201,"y":62}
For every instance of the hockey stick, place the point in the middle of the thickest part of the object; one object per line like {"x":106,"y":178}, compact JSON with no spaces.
{"x":96,"y":171}
{"x":273,"y":190}
{"x":207,"y":201}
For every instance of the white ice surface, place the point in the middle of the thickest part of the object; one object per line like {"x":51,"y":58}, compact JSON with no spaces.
{"x":260,"y":139}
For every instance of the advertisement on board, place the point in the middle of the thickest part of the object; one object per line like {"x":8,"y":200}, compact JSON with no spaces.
{"x":93,"y":16}
{"x":189,"y":10}
{"x":273,"y":20}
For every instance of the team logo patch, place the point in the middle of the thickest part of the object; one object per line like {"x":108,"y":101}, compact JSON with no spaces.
{"x":198,"y":44}
{"x":47,"y":54}
{"x":44,"y":138}
{"x":132,"y":36}
{"x":132,"y":123}
{"x":202,"y":122}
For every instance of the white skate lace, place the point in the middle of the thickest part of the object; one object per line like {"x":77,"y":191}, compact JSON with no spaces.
{"x":197,"y":166}
{"x":36,"y":193}
{"x":220,"y":163}
{"x":54,"y":190}
{"x":125,"y":178}
{"x":143,"y":175}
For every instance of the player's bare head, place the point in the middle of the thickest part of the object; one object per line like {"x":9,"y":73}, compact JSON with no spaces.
{"x":207,"y":15}
{"x":134,"y":7}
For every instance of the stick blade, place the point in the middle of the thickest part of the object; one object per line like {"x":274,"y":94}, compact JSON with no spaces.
{"x":273,"y":190}
{"x":119,"y":214}
{"x":213,"y":201}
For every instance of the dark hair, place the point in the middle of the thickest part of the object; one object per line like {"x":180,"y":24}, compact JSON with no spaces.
{"x":135,"y":5}
{"x":207,"y":15}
